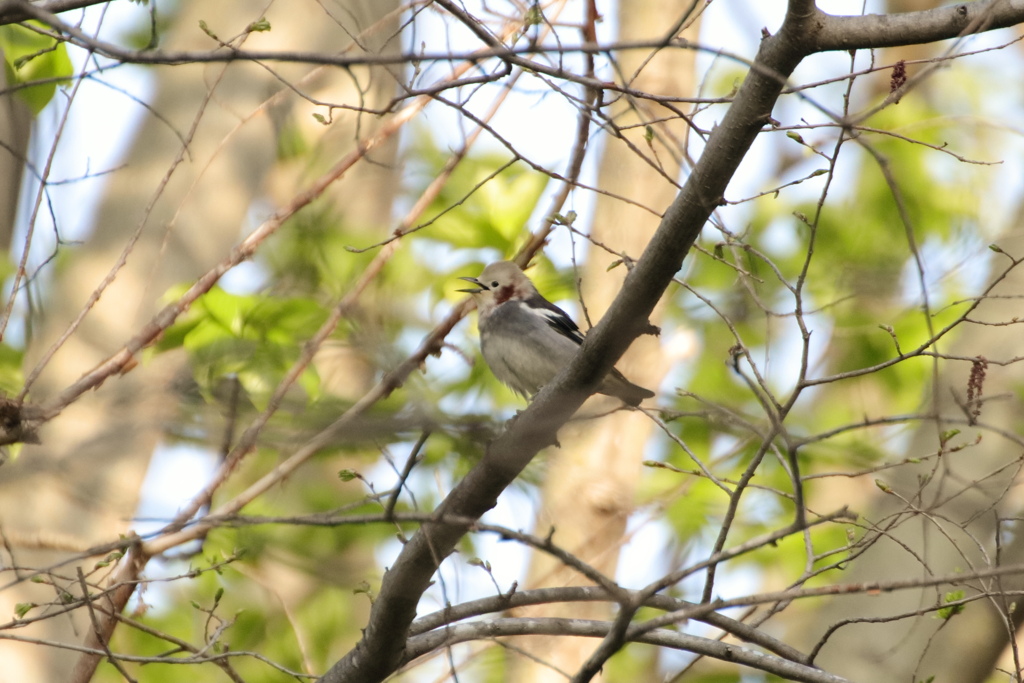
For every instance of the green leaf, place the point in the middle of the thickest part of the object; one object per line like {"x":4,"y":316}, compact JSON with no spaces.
{"x":568,"y":219}
{"x":363,"y":589}
{"x":951,"y":610}
{"x":30,"y":56}
{"x":175,"y":335}
{"x":485,"y":204}
{"x":13,"y":450}
{"x":206,"y":29}
{"x":947,"y":435}
{"x":533,"y":16}
{"x":259,"y":26}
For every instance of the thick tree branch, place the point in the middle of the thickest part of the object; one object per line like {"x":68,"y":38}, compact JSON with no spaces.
{"x":221,"y":54}
{"x":831,"y":32}
{"x":442,"y":619}
{"x":123,"y":584}
{"x":496,"y":628}
{"x":13,"y":11}
{"x":911,"y":28}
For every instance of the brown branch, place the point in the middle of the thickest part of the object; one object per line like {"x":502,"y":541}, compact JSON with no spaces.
{"x":123,"y":582}
{"x":496,"y":628}
{"x":499,"y":603}
{"x":97,"y":628}
{"x":910,"y":28}
{"x":13,"y":11}
{"x":225,"y":53}
{"x":870,"y":587}
{"x":830,"y":33}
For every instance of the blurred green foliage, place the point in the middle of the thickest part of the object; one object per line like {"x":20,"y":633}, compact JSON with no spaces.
{"x":859,"y":300}
{"x":255,"y":338}
{"x":30,"y":56}
{"x":12,"y":378}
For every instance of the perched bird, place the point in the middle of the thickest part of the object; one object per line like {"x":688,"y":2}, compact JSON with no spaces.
{"x":526,"y":339}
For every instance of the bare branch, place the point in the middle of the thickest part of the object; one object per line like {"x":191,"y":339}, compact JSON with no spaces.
{"x":497,"y":628}
{"x":912,"y":28}
{"x":14,"y":11}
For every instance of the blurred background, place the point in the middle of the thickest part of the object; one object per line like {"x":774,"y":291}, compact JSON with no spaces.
{"x":838,"y":313}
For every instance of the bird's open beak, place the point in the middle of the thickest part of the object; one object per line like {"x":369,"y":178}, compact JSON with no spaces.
{"x":479,"y":286}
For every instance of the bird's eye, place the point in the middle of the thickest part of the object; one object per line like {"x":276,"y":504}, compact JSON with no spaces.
{"x":494,"y":284}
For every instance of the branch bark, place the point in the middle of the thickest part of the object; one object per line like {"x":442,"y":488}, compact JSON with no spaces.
{"x":829,"y":32}
{"x":477,"y":630}
{"x":910,"y":28}
{"x":442,"y":619}
{"x":13,"y":11}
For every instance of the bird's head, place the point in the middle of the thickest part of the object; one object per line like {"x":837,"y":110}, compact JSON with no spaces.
{"x":500,"y":282}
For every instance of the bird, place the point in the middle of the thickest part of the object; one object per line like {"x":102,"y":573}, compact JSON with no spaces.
{"x":525,"y":339}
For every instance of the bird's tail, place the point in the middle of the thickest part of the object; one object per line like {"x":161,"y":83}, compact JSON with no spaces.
{"x":618,"y":386}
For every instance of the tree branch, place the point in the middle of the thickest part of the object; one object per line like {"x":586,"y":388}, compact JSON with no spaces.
{"x":13,"y":11}
{"x":123,"y":583}
{"x":911,"y":28}
{"x":442,"y":619}
{"x":496,"y":628}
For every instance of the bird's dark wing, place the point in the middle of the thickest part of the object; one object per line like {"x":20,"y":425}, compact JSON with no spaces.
{"x":555,"y":317}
